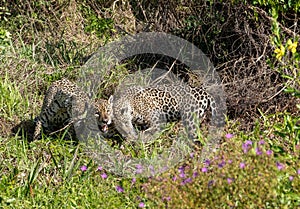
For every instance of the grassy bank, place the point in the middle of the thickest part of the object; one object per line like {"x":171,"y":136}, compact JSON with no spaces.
{"x":258,"y":162}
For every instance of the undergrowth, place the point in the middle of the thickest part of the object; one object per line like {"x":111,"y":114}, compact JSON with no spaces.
{"x":257,"y":165}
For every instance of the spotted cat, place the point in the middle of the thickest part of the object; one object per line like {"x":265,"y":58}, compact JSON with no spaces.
{"x":66,"y":105}
{"x":156,"y":105}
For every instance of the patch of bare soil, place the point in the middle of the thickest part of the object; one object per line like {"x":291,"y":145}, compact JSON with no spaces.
{"x":5,"y":127}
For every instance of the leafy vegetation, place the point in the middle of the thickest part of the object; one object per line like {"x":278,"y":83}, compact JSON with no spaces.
{"x":255,"y":48}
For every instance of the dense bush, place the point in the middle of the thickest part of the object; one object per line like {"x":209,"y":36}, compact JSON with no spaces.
{"x":254,"y":46}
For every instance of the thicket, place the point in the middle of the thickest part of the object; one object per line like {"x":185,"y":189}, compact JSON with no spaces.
{"x":239,"y":37}
{"x":254,"y":46}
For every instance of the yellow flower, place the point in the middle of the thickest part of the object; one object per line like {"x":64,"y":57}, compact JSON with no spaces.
{"x":279,"y":52}
{"x":292,"y":46}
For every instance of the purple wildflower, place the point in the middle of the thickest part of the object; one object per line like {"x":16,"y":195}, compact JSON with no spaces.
{"x":246,"y":146}
{"x":104,"y":175}
{"x":152,"y":170}
{"x":174,"y":178}
{"x":248,"y":142}
{"x":229,"y":180}
{"x":207,"y":162}
{"x":258,"y":151}
{"x":195,"y":174}
{"x":242,"y":165}
{"x":229,"y":136}
{"x":83,"y":168}
{"x":229,"y":161}
{"x":221,"y":164}
{"x":192,"y":155}
{"x":204,"y":170}
{"x":280,"y":166}
{"x":181,"y":169}
{"x":141,"y":205}
{"x":119,"y":189}
{"x":188,"y":180}
{"x":298,"y":171}
{"x":269,"y":152}
{"x":133,"y":180}
{"x":99,"y":168}
{"x":291,"y":178}
{"x":261,"y":142}
{"x":139,"y":168}
{"x":182,"y":175}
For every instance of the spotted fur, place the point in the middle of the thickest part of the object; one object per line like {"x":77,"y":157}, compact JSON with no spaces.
{"x":65,"y":104}
{"x":157,"y":105}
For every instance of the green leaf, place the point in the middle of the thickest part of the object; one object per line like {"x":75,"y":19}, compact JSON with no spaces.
{"x":274,"y":13}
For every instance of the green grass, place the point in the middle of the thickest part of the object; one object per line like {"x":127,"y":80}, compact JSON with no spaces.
{"x":11,"y":100}
{"x":50,"y":173}
{"x":47,"y":174}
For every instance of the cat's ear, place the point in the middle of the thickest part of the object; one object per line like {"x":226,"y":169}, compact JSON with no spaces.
{"x":110,"y":100}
